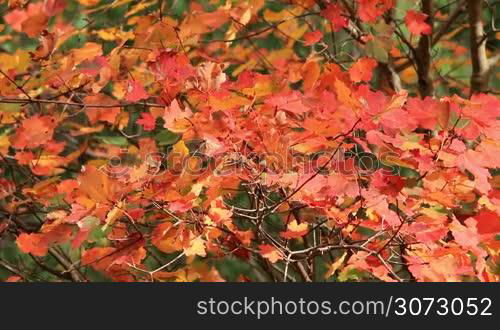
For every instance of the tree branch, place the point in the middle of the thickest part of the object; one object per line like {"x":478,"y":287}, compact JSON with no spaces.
{"x":445,"y":27}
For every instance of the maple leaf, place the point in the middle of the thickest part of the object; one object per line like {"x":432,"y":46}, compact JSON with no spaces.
{"x":196,"y":248}
{"x":345,"y":94}
{"x":24,"y":157}
{"x":427,"y":232}
{"x":147,"y":121}
{"x":467,"y":161}
{"x":291,"y":102}
{"x":388,"y":184}
{"x":165,"y":237}
{"x":218,"y":212}
{"x":362,"y":70}
{"x":370,"y":10}
{"x":424,"y":111}
{"x":416,"y":23}
{"x":175,"y":119}
{"x":488,"y":222}
{"x":135,"y":91}
{"x":38,"y":244}
{"x":34,"y":131}
{"x":270,"y":253}
{"x":77,"y":213}
{"x":483,"y":110}
{"x":310,"y":38}
{"x":295,"y":230}
{"x":107,"y":113}
{"x":95,"y":66}
{"x":99,"y":258}
{"x":334,"y":13}
{"x":32,"y":243}
{"x":96,"y":184}
{"x":31,"y":21}
{"x":88,"y":52}
{"x":172,"y":66}
{"x":467,"y":236}
{"x":113,"y":215}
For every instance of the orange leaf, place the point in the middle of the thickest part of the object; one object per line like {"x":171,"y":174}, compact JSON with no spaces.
{"x":310,"y":38}
{"x":362,"y":70}
{"x":270,"y":253}
{"x":34,"y":131}
{"x":45,"y":48}
{"x":310,"y":73}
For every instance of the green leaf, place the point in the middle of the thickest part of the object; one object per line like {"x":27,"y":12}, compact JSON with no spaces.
{"x":166,"y":137}
{"x":375,"y":49}
{"x":230,"y":268}
{"x":116,"y":140}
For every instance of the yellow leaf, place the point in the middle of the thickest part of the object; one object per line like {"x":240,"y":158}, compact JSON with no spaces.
{"x":111,"y":34}
{"x":334,"y":266}
{"x":294,"y":226}
{"x":272,"y":16}
{"x":88,"y":51}
{"x":19,"y":61}
{"x":113,"y":215}
{"x":180,"y":149}
{"x":196,"y":247}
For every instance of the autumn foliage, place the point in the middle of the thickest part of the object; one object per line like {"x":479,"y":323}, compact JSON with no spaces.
{"x":249,"y":140}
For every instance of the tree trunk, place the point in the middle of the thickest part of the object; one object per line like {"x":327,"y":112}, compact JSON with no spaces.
{"x":423,"y":55}
{"x":480,"y":67}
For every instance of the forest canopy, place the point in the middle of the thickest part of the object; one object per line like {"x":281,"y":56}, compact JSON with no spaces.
{"x":249,"y":140}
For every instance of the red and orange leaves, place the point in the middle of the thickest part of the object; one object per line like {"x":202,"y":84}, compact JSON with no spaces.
{"x":34,"y":131}
{"x":362,"y":70}
{"x":334,"y":13}
{"x":371,"y":10}
{"x":184,"y":137}
{"x":172,"y":70}
{"x":31,"y":20}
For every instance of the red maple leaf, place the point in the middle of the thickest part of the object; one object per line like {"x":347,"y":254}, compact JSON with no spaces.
{"x":415,"y":21}
{"x":370,"y":10}
{"x":334,"y":14}
{"x":147,"y":121}
{"x":312,"y":37}
{"x":136,"y":91}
